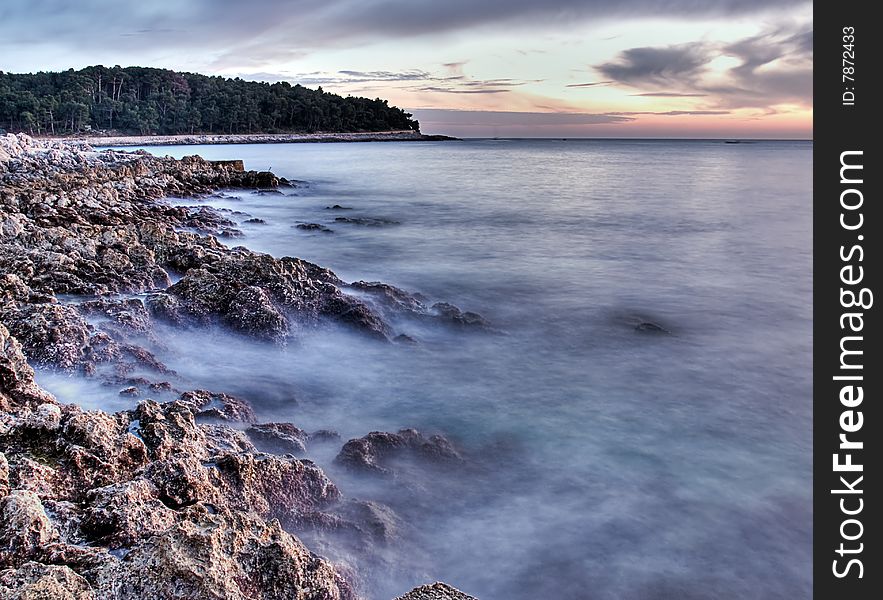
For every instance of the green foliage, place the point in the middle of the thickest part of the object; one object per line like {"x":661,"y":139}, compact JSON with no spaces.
{"x":143,"y":101}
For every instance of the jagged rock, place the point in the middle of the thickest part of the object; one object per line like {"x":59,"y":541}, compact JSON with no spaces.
{"x":25,"y":530}
{"x":35,"y":581}
{"x":278,"y":438}
{"x":252,"y":311}
{"x":436,"y":591}
{"x":165,"y":500}
{"x":454,"y":315}
{"x":366,"y":221}
{"x":314,"y":227}
{"x":122,"y":514}
{"x":47,"y":418}
{"x":372,"y":452}
{"x":224,"y":407}
{"x":129,"y":314}
{"x":230,"y":556}
{"x":4,"y":475}
{"x":16,"y":375}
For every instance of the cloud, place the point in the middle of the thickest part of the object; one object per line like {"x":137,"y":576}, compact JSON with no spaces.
{"x":672,"y":113}
{"x":259,"y":31}
{"x":492,"y":118}
{"x":589,"y":84}
{"x":662,"y":66}
{"x":774,"y":68}
{"x":456,"y":91}
{"x":669,"y":95}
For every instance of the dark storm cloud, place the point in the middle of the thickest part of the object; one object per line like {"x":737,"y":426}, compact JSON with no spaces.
{"x":662,"y":66}
{"x":258,"y":30}
{"x":774,"y":67}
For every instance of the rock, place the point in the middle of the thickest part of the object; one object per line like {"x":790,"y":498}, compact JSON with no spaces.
{"x":129,"y":392}
{"x":234,"y":556}
{"x":47,"y":418}
{"x":212,"y":405}
{"x":16,"y":375}
{"x":366,"y":221}
{"x":25,"y":530}
{"x":455,"y":316}
{"x":255,"y":221}
{"x":123,"y":514}
{"x":278,"y":438}
{"x":650,"y":327}
{"x":436,"y":591}
{"x":252,"y":311}
{"x":373,"y":452}
{"x":35,"y":581}
{"x":314,"y":227}
{"x":4,"y":475}
{"x":337,"y":207}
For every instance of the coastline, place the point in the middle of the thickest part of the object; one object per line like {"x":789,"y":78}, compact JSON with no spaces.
{"x":139,"y":503}
{"x":249,"y":138}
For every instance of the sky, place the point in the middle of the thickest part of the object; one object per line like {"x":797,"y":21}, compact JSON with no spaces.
{"x":468,"y":68}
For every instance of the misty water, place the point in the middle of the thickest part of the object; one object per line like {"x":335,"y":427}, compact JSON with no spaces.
{"x":602,"y":462}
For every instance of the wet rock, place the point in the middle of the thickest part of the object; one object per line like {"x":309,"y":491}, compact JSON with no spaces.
{"x":337,"y":207}
{"x":272,"y":486}
{"x":16,"y":375}
{"x":314,"y":227}
{"x":455,"y":316}
{"x":220,"y":406}
{"x":25,"y":530}
{"x":391,"y":297}
{"x":252,"y":311}
{"x":121,"y":515}
{"x":4,"y":475}
{"x":436,"y":591}
{"x":278,"y":438}
{"x":45,"y":419}
{"x":129,"y":392}
{"x":234,"y":556}
{"x":129,"y":314}
{"x":324,"y":435}
{"x":35,"y":581}
{"x":373,"y":452}
{"x":366,"y":221}
{"x":255,"y":221}
{"x":650,"y":327}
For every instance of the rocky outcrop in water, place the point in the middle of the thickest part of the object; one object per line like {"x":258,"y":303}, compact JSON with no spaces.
{"x":375,"y":452}
{"x":435,"y":591}
{"x":191,"y":498}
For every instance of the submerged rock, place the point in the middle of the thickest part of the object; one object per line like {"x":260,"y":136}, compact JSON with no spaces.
{"x":650,"y":327}
{"x":374,"y":452}
{"x":278,"y":438}
{"x":366,"y":221}
{"x":314,"y":227}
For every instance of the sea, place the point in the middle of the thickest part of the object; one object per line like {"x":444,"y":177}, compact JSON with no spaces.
{"x":603,"y":459}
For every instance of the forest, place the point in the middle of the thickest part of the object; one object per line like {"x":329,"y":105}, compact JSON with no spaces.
{"x":144,"y":101}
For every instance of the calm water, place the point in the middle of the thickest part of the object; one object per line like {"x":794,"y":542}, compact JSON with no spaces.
{"x":611,"y":464}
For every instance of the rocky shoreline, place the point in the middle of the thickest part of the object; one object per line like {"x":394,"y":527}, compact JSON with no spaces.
{"x":254,"y":138}
{"x":190,"y":497}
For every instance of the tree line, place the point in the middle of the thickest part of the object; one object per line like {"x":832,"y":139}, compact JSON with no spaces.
{"x":144,"y":101}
